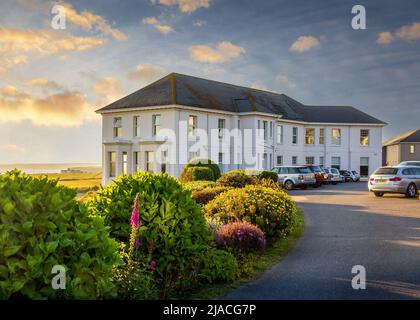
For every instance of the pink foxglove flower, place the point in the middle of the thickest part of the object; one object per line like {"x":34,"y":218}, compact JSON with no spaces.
{"x":135,"y":214}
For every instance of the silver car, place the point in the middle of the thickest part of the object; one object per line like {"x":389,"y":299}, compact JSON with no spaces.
{"x":295,"y":177}
{"x":409,"y":164}
{"x":333,"y":175}
{"x":404,"y":180}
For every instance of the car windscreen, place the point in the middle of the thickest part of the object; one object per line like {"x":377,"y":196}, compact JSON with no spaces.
{"x":390,"y":171}
{"x":417,"y":164}
{"x":304,"y":170}
{"x":316,"y":169}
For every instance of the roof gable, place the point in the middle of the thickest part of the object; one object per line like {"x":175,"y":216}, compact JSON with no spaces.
{"x":410,"y":136}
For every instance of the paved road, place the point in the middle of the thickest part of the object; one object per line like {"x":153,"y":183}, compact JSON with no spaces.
{"x":347,"y":226}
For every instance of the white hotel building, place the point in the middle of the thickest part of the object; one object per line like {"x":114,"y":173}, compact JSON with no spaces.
{"x":160,"y":127}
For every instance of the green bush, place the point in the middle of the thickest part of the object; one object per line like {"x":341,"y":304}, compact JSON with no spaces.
{"x":219,"y":265}
{"x":268,"y":175}
{"x":197,"y":174}
{"x":197,"y":185}
{"x":173,"y":234}
{"x":271,"y":210}
{"x":235,"y":179}
{"x":42,"y":225}
{"x":206,"y":195}
{"x":203,"y":162}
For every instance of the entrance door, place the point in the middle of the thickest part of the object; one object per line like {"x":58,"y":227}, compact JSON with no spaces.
{"x":150,"y":161}
{"x":364,"y":167}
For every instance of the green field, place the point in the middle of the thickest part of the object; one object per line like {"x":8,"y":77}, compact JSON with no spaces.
{"x":83,"y":182}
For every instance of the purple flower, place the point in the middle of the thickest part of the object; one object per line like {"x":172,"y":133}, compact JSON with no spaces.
{"x":135,"y":213}
{"x":153,"y":264}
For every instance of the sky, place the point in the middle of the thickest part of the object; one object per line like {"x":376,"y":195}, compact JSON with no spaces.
{"x":52,"y":80}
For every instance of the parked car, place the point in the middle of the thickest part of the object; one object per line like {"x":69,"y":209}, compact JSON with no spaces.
{"x":333,"y":176}
{"x":347,"y":175}
{"x":403,"y":180}
{"x":356,"y":176}
{"x":295,"y":177}
{"x":409,"y":163}
{"x":319,"y":174}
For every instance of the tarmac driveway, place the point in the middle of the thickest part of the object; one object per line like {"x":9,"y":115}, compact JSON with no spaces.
{"x":346,"y":226}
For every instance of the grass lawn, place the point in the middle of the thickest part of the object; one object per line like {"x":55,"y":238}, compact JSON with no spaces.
{"x":259,"y":265}
{"x":83,"y":182}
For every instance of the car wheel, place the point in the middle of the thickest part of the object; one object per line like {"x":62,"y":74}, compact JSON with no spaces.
{"x":411,"y":191}
{"x":379,"y":194}
{"x":289,"y":185}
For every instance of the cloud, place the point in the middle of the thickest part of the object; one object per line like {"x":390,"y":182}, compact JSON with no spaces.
{"x":163,"y":28}
{"x":185,"y":6}
{"x":407,"y":33}
{"x":384,"y":38}
{"x":147,"y":73}
{"x":225,"y":51}
{"x":64,"y":109}
{"x":108,"y":90}
{"x":286,"y":80}
{"x":89,"y":21}
{"x":45,"y":42}
{"x":10,"y":147}
{"x":7,"y":63}
{"x":304,"y":43}
{"x":43,"y":83}
{"x":200,"y":23}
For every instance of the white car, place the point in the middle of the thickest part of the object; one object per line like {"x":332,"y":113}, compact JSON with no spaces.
{"x":333,"y":175}
{"x":409,"y":163}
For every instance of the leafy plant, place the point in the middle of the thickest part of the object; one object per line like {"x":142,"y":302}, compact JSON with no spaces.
{"x":240,"y":237}
{"x":270,"y":209}
{"x":204,"y":162}
{"x":268,"y":175}
{"x":42,"y":225}
{"x":197,"y":185}
{"x":172,"y":231}
{"x":197,"y":174}
{"x":219,"y":265}
{"x":235,"y":179}
{"x":206,"y":195}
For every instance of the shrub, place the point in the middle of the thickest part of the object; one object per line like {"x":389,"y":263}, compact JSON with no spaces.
{"x":219,"y":265}
{"x":240,"y":237}
{"x":196,"y":174}
{"x":172,"y":231}
{"x":206,"y":195}
{"x":270,"y":209}
{"x":197,"y":185}
{"x":213,"y":226}
{"x":235,"y":179}
{"x":268,"y":175}
{"x":42,"y":225}
{"x":203,"y":162}
{"x":268,"y":183}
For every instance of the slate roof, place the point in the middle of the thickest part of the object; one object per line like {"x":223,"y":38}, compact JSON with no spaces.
{"x":208,"y":94}
{"x":410,"y":136}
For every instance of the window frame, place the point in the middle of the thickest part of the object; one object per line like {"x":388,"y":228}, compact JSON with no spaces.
{"x":112,"y":162}
{"x":117,"y":130}
{"x":367,"y":142}
{"x":192,"y":127}
{"x":321,"y":139}
{"x":156,"y":125}
{"x":307,"y":137}
{"x":221,"y":128}
{"x":336,"y":141}
{"x":295,"y":135}
{"x":136,"y":126}
{"x":280,"y":134}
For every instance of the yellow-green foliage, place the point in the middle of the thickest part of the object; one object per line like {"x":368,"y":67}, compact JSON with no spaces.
{"x":197,"y":185}
{"x":272,"y":210}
